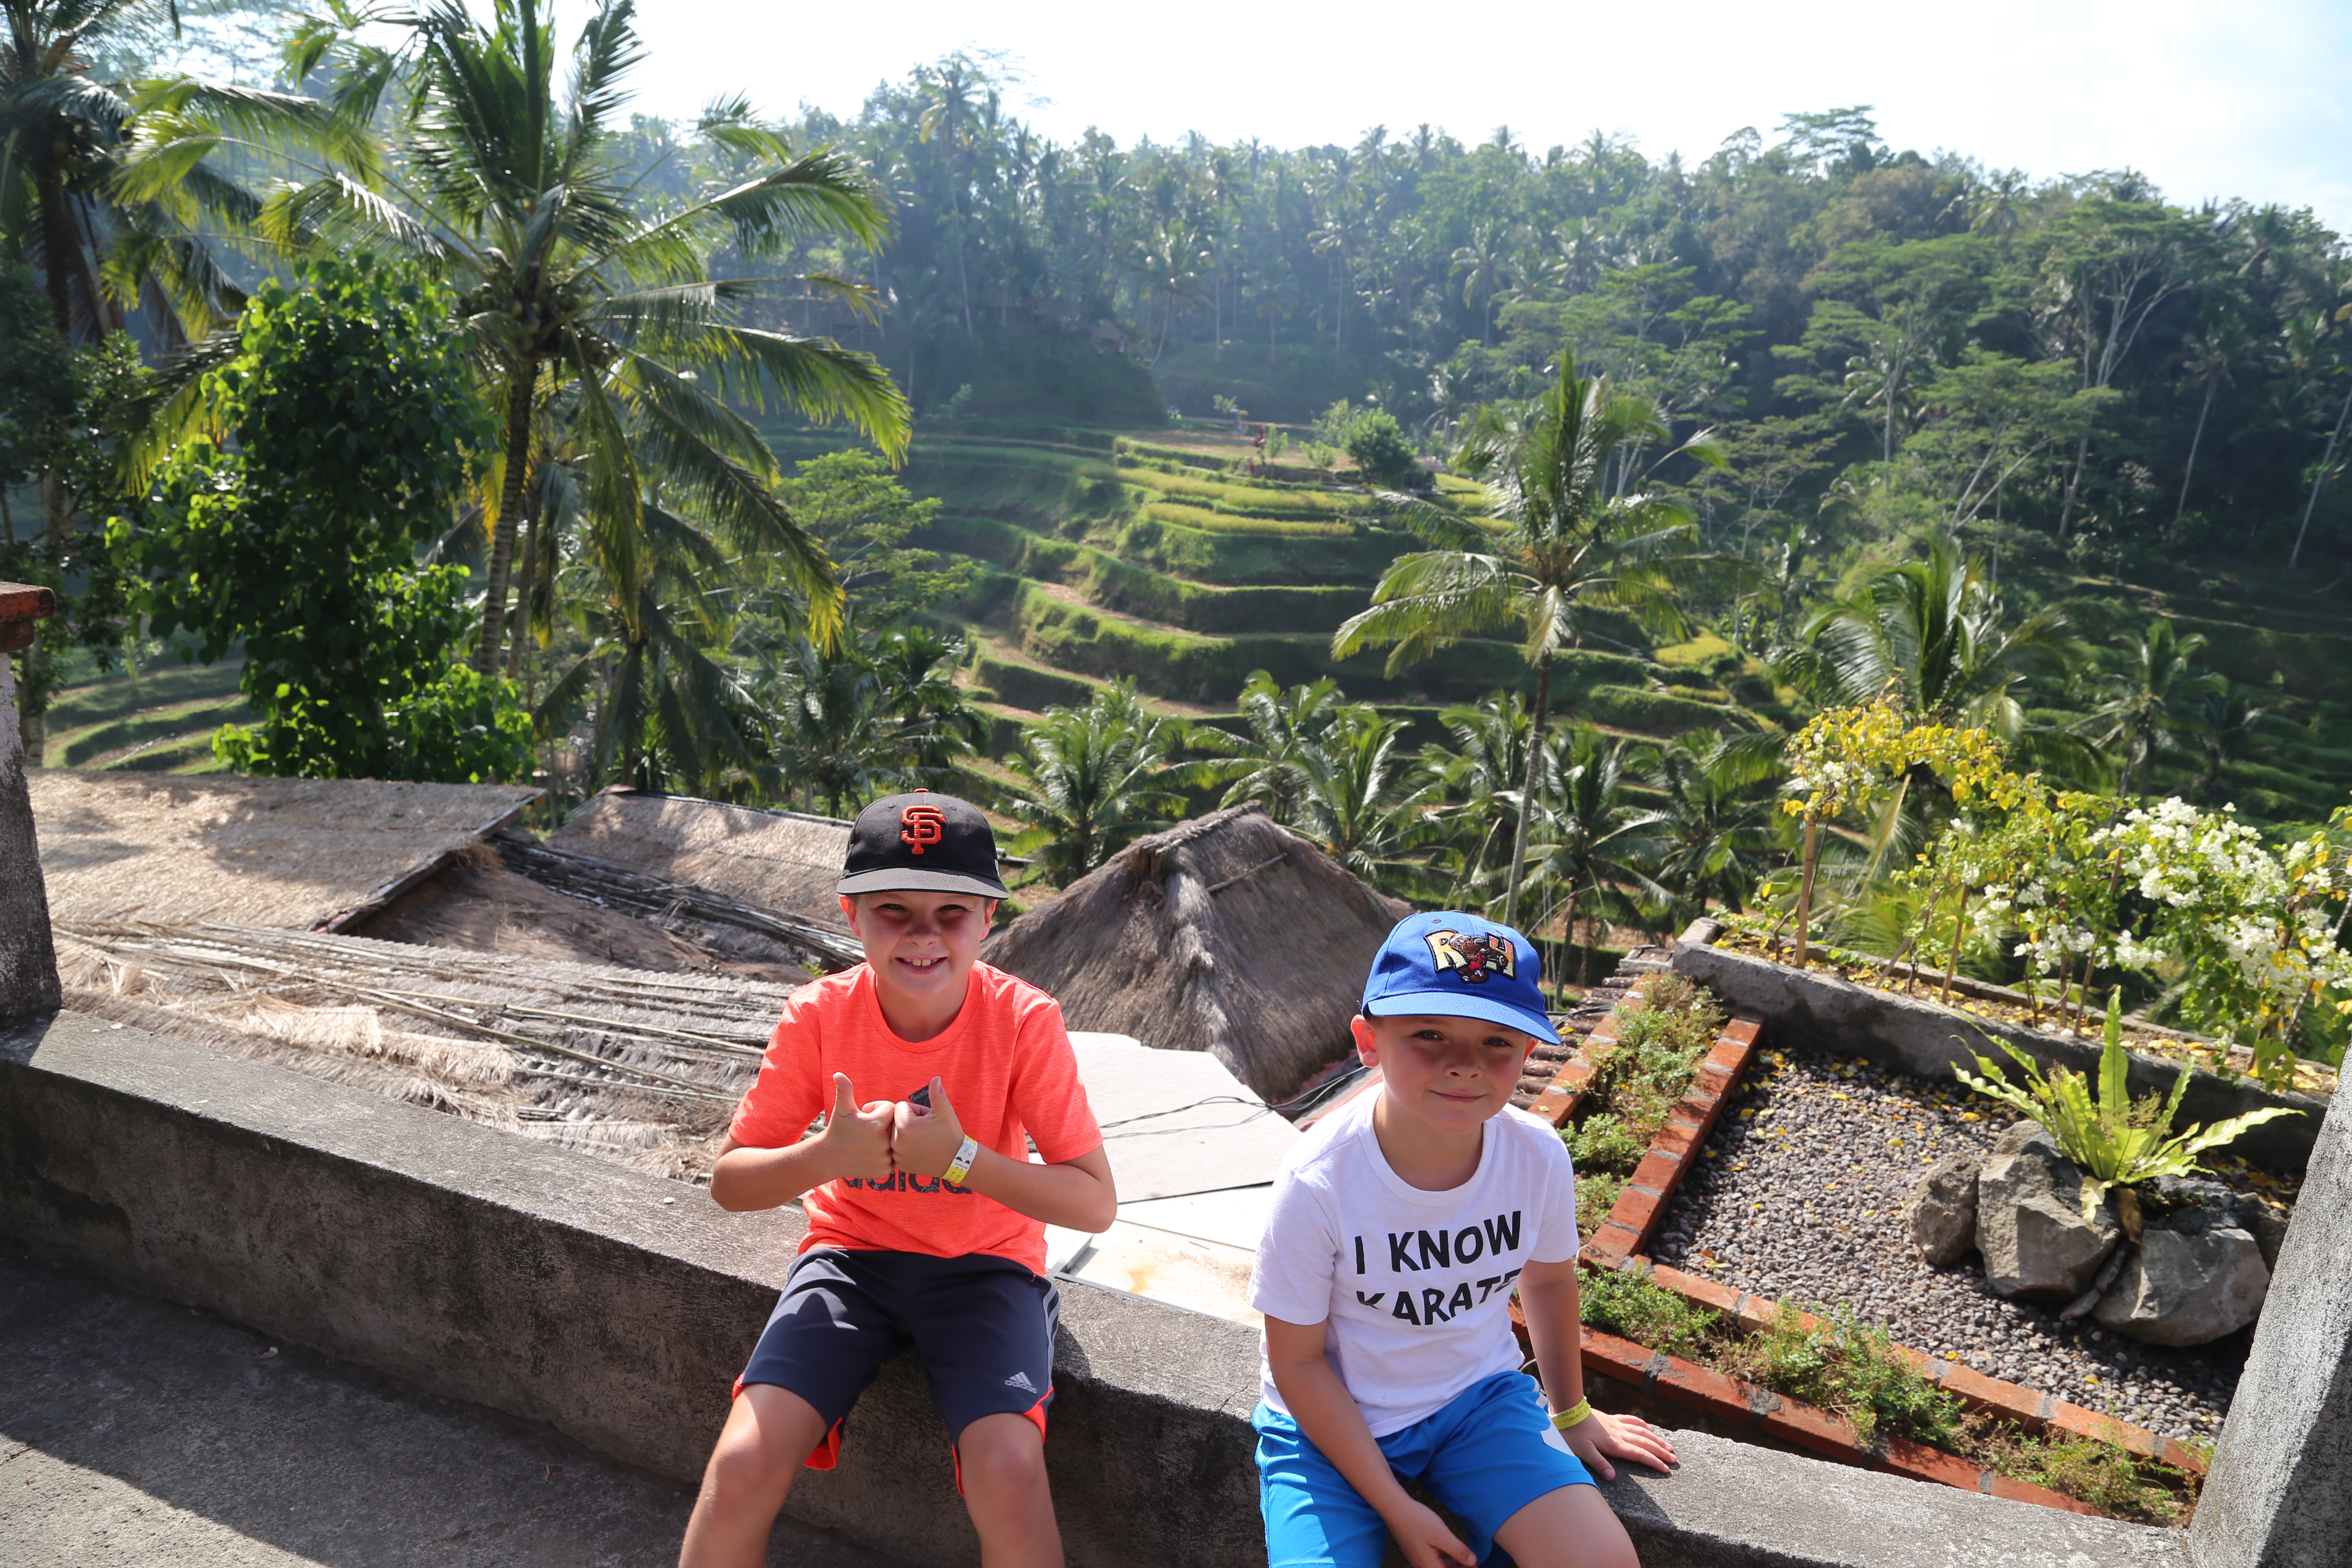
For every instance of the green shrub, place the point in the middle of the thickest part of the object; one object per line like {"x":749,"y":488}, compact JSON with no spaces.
{"x":1632,"y":1309}
{"x":1382,"y":453}
{"x":2104,"y":1475}
{"x":1848,"y":1367}
{"x":1602,"y":1142}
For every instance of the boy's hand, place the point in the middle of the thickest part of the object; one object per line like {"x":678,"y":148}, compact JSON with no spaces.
{"x":1605,"y":1436}
{"x":924,"y":1139}
{"x":1423,"y":1539}
{"x":857,"y":1139}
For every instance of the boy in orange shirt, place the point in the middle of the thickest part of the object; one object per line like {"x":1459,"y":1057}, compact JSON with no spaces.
{"x":925,"y":1216}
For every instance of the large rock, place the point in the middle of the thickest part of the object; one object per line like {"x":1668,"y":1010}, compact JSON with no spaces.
{"x":2196,"y":1276}
{"x":2030,"y":1223}
{"x":2267,"y":1225}
{"x":1942,"y":1210}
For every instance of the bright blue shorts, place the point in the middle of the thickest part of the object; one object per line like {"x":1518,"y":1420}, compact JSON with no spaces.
{"x":1482,"y":1456}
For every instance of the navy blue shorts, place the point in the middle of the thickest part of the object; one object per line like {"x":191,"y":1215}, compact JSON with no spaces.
{"x":982,"y":1325}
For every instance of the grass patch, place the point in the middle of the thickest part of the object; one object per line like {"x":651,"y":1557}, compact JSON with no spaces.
{"x":1628,"y":1099}
{"x":2103,"y":1475}
{"x":120,"y":695}
{"x":1209,"y":521}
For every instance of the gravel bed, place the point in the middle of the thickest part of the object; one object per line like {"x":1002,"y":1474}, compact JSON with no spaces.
{"x":1799,"y":1195}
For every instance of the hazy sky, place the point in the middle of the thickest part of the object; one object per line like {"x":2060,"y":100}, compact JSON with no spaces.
{"x":2222,"y":98}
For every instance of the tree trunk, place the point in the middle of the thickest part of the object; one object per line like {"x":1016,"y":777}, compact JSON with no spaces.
{"x":520,"y":385}
{"x":523,"y":580}
{"x":57,"y":247}
{"x":2066,"y":516}
{"x":1527,"y":797}
{"x":1805,"y":891}
{"x":2320,"y":480}
{"x":2189,"y":468}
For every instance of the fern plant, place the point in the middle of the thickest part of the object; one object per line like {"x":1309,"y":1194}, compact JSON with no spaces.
{"x":2116,"y":1142}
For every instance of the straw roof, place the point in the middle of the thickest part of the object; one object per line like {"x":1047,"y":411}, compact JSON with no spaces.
{"x":300,"y":853}
{"x":639,"y":1067}
{"x":1227,"y":934}
{"x":781,"y":860}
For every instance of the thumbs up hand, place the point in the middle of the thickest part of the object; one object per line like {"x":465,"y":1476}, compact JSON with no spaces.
{"x":857,"y":1138}
{"x":925,"y":1137}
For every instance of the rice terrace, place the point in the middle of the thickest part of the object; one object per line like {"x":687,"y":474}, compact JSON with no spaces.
{"x":1857,"y":638}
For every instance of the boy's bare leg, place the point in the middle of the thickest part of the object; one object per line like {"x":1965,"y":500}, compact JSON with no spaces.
{"x":768,"y":1435}
{"x":1570,"y":1527}
{"x":1004,"y":1461}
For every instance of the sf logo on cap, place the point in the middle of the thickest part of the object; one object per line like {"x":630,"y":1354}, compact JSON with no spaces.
{"x":1477,"y":957}
{"x":921,"y":825}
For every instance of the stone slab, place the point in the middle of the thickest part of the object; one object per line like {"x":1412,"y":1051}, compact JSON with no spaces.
{"x":137,"y":1433}
{"x":1162,"y":1142}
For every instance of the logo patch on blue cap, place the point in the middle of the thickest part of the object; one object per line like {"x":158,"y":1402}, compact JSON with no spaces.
{"x":1471,"y":958}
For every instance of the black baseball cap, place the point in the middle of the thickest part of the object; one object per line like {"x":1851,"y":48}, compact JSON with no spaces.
{"x":921,"y":842}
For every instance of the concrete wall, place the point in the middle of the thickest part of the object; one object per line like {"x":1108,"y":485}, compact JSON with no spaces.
{"x":28,"y":962}
{"x":1816,"y":1011}
{"x":617,"y":1307}
{"x":2281,"y":1495}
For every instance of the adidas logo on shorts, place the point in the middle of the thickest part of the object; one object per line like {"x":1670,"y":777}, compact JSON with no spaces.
{"x":1020,"y":1380}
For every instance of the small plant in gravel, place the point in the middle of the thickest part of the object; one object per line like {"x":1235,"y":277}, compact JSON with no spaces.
{"x":1851,"y":1367}
{"x":1632,"y":1309}
{"x":1658,"y":1047}
{"x":2104,"y":1475}
{"x":2118,"y":1142}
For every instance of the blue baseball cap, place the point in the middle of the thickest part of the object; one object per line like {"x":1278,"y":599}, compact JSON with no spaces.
{"x":1455,"y":966}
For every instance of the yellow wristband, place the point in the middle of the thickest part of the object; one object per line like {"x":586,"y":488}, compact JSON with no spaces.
{"x":960,"y":1166}
{"x":1573,"y":1414}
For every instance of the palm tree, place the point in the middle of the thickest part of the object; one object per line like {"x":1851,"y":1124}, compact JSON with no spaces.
{"x":1483,"y":777}
{"x":1715,"y":826}
{"x":107,"y":189}
{"x":1479,"y":264}
{"x":2230,"y":727}
{"x":1268,"y":764}
{"x":1572,"y":534}
{"x":1367,"y":799}
{"x":2209,"y":358}
{"x":517,"y":192}
{"x":1094,"y":779}
{"x":1933,"y":633}
{"x":927,"y":721}
{"x":2158,"y":696}
{"x":1596,"y":843}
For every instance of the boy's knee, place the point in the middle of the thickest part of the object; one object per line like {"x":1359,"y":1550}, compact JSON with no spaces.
{"x":1001,"y":1456}
{"x":745,"y":1474}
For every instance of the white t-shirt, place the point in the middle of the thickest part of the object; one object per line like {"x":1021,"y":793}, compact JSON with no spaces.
{"x":1416,"y":1285}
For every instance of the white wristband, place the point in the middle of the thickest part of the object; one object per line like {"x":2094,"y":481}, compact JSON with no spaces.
{"x":960,"y":1166}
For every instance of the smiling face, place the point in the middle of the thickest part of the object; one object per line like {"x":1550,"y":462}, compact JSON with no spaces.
{"x":1447,"y":1074}
{"x":921,"y":947}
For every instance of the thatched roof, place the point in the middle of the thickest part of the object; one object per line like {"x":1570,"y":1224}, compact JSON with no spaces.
{"x":781,"y":860}
{"x":1227,"y":934}
{"x":639,"y":1067}
{"x":298,"y":854}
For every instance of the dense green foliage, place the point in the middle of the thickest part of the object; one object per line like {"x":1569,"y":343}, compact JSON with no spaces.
{"x":352,"y":420}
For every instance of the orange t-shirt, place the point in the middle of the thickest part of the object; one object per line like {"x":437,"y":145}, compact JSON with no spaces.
{"x":1009,"y":1072}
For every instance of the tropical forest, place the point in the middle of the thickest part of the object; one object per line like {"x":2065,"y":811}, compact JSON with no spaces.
{"x":1895,"y":557}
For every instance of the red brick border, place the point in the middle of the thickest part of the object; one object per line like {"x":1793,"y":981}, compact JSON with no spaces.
{"x":1620,"y":1244}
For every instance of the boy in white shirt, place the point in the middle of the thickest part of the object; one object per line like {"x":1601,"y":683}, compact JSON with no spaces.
{"x":1400,"y":1225}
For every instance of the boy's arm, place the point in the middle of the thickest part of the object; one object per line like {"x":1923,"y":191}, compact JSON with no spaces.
{"x":856,"y":1142}
{"x":1327,"y":1413}
{"x":1548,"y":1296}
{"x":1076,"y":1194}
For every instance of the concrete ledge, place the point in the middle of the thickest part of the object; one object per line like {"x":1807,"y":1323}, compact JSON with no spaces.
{"x":555,"y":1287}
{"x":1817,"y":1011}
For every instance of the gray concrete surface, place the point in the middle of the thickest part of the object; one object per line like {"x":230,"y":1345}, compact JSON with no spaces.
{"x":2281,"y":1491}
{"x":612,"y":1306}
{"x":28,"y":959}
{"x":474,"y":1265}
{"x":1736,"y":1505}
{"x":1818,"y":1012}
{"x":135,"y":1432}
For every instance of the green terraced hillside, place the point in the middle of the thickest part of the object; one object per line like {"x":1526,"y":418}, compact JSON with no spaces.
{"x":1106,"y":555}
{"x":161,"y":720}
